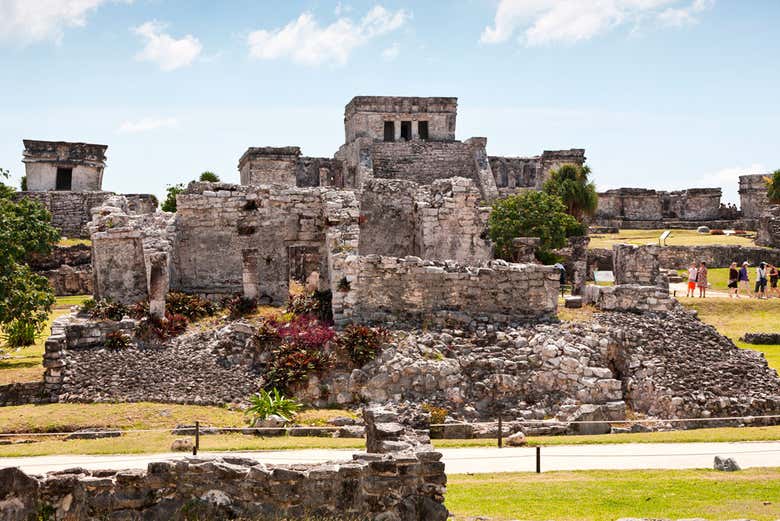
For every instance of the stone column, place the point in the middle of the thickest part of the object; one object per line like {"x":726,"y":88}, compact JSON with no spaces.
{"x":118,"y":267}
{"x":158,"y":283}
{"x":250,"y":274}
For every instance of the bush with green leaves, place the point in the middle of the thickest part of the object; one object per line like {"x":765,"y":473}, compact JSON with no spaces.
{"x":169,"y":205}
{"x":303,"y":304}
{"x":239,"y":306}
{"x":191,"y":306}
{"x":531,"y":214}
{"x":362,"y":343}
{"x":571,"y":183}
{"x":152,"y":329}
{"x":298,"y":348}
{"x":105,"y":309}
{"x":265,"y":403}
{"x":773,"y":187}
{"x":25,"y":297}
{"x":117,"y":340}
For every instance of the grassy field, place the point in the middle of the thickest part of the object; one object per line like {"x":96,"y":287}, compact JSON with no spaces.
{"x":67,"y":417}
{"x":735,"y":317}
{"x":73,"y":242}
{"x":609,"y":495}
{"x":25,"y":364}
{"x":678,"y":238}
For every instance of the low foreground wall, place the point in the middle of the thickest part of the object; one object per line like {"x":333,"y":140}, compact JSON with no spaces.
{"x":629,"y":297}
{"x":386,"y":290}
{"x":399,"y":479}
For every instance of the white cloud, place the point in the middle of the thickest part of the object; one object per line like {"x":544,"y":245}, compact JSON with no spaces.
{"x":391,"y":53}
{"x":167,"y":52}
{"x":728,"y":180}
{"x":306,"y":42}
{"x":544,"y":22}
{"x":146,"y":125}
{"x":26,"y":21}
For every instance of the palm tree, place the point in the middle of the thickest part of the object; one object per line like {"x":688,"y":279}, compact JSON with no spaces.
{"x":570,"y":183}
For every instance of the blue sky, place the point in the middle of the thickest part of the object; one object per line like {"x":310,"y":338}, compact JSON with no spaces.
{"x":660,"y":93}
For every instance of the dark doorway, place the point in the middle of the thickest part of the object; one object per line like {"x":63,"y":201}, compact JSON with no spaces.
{"x":64,"y":178}
{"x":389,"y":131}
{"x":422,"y":129}
{"x":406,"y":130}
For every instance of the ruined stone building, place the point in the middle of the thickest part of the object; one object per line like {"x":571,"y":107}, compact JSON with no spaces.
{"x":67,"y":178}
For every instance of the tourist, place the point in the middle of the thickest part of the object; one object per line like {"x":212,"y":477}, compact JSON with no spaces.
{"x":760,"y":289}
{"x":774,"y":273}
{"x":691,"y":280}
{"x":744,"y":278}
{"x":733,"y":280}
{"x":701,"y":279}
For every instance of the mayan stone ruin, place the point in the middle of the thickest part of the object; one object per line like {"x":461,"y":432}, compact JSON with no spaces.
{"x":390,"y":232}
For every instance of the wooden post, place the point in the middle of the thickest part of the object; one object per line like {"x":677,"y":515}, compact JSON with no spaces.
{"x":538,"y":460}
{"x":500,"y":433}
{"x":197,"y":438}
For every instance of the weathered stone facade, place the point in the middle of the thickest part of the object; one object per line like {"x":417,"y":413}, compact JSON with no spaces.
{"x":375,"y":289}
{"x":753,"y":195}
{"x":400,"y":477}
{"x":58,"y":165}
{"x":70,"y":211}
{"x":769,"y":227}
{"x":629,"y":297}
{"x":638,"y":265}
{"x":68,"y":269}
{"x":624,"y":205}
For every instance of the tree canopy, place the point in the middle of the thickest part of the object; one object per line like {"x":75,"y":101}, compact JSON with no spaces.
{"x":25,"y":297}
{"x":773,"y":187}
{"x":531,"y":214}
{"x":169,"y":205}
{"x":570,"y":182}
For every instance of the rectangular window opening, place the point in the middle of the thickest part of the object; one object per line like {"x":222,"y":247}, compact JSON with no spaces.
{"x":389,"y":131}
{"x":422,"y":129}
{"x":406,"y":130}
{"x":64,"y":178}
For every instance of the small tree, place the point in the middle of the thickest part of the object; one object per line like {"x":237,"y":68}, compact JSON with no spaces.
{"x":209,"y":177}
{"x":25,"y":297}
{"x":531,"y":214}
{"x":169,"y":205}
{"x":23,"y":184}
{"x":773,"y":187}
{"x":570,"y":183}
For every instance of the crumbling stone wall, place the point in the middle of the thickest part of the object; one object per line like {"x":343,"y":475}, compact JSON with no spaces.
{"x":68,"y":269}
{"x":70,"y":211}
{"x":753,"y":195}
{"x":119,"y":271}
{"x":629,"y":297}
{"x":388,"y":217}
{"x":639,"y":204}
{"x":716,"y":256}
{"x":769,"y":228}
{"x":407,"y":486}
{"x":638,"y":265}
{"x":375,"y":289}
{"x":138,"y":204}
{"x":423,"y":162}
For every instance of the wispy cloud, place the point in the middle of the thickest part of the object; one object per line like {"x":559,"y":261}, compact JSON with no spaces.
{"x":306,"y":42}
{"x":146,"y":125}
{"x":28,"y":21}
{"x":728,"y":179}
{"x":162,"y":49}
{"x":542,"y":22}
{"x":392,"y":52}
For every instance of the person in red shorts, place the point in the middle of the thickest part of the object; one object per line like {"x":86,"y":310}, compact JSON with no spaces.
{"x":692,"y":272}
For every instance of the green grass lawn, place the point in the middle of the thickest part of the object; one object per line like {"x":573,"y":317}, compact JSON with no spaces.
{"x":73,"y":242}
{"x":735,"y":317}
{"x":678,"y":238}
{"x":609,"y":495}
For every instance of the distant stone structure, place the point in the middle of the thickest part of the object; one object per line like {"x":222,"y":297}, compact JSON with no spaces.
{"x":753,"y":195}
{"x":67,"y":178}
{"x":64,"y":166}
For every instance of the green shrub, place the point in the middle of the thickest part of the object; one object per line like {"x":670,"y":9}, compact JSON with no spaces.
{"x":151,"y":328}
{"x":19,"y":333}
{"x":191,"y":306}
{"x":239,"y":306}
{"x":438,"y":414}
{"x":105,"y":309}
{"x":531,"y":214}
{"x":303,"y":304}
{"x":300,"y":350}
{"x":265,"y":403}
{"x":169,"y":205}
{"x":570,"y":183}
{"x":208,"y":177}
{"x":361,"y":343}
{"x":117,"y":340}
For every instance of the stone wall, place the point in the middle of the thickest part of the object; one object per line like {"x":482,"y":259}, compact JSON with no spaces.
{"x":716,"y":256}
{"x":269,"y":166}
{"x":753,"y":197}
{"x":404,"y":486}
{"x":364,"y":116}
{"x":138,"y":204}
{"x":639,"y":204}
{"x":23,"y":394}
{"x":42,"y":158}
{"x":68,"y":269}
{"x":423,"y":162}
{"x":769,"y":228}
{"x":516,"y":172}
{"x":388,"y":217}
{"x":629,"y":297}
{"x":119,"y":270}
{"x":638,"y":265}
{"x":70,"y":211}
{"x":382,"y":290}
